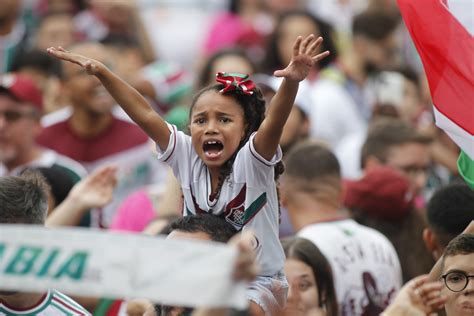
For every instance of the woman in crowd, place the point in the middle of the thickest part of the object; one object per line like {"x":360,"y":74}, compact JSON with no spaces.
{"x":310,"y":277}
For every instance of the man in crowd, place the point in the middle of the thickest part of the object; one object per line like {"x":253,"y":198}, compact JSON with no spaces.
{"x":20,"y":111}
{"x":14,"y":33}
{"x":24,"y":200}
{"x":375,"y":47}
{"x":366,"y":267}
{"x":449,"y":212}
{"x":91,"y":132}
{"x":458,"y":276}
{"x":397,"y":144}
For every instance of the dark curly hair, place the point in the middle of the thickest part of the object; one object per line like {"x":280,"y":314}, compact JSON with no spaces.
{"x":254,"y":114}
{"x":273,"y":60}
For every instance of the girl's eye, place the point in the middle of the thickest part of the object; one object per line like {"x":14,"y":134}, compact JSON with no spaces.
{"x":225,"y":120}
{"x":304,"y":286}
{"x":199,"y":121}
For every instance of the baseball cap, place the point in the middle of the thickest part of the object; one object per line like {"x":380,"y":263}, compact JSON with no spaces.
{"x":22,"y":88}
{"x":382,"y":193}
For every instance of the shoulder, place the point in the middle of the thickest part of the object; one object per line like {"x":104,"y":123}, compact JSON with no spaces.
{"x":56,"y":117}
{"x":77,"y":170}
{"x":370,"y":233}
{"x":67,"y":303}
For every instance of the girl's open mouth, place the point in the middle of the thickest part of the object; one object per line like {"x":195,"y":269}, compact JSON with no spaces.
{"x":212,"y":148}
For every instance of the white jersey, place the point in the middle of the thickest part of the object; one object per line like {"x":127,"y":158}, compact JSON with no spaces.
{"x":248,"y":199}
{"x":366,"y":269}
{"x":53,"y":303}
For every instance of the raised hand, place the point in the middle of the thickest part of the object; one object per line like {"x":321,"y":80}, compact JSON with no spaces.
{"x":95,"y":190}
{"x":418,"y":297}
{"x":304,"y":57}
{"x":90,"y":65}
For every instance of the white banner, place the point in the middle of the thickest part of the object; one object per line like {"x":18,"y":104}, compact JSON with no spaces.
{"x":118,"y":265}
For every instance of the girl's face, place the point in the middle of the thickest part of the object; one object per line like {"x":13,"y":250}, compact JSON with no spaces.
{"x":217,"y":126}
{"x":300,"y":274}
{"x":290,"y":29}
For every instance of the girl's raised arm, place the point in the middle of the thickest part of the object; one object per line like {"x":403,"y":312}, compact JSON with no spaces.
{"x":133,"y":103}
{"x":304,"y":57}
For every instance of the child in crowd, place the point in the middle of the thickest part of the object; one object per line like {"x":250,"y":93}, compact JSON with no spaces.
{"x":229,"y":163}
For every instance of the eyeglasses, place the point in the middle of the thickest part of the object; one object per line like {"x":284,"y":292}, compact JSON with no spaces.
{"x":456,"y":281}
{"x":12,"y":115}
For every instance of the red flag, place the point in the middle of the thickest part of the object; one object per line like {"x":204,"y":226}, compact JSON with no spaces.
{"x":446,"y":49}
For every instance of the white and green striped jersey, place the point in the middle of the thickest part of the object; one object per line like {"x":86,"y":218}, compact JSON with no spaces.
{"x":53,"y":303}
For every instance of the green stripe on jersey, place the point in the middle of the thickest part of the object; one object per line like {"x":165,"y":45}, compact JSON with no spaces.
{"x":255,"y":207}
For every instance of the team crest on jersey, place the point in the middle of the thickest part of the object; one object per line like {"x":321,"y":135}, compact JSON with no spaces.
{"x":236,"y":216}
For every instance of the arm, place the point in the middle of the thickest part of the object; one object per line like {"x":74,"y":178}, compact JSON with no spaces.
{"x":304,"y":57}
{"x":128,"y":98}
{"x":95,"y":190}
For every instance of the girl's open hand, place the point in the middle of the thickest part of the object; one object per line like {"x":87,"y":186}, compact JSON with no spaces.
{"x":90,"y":65}
{"x":304,"y":57}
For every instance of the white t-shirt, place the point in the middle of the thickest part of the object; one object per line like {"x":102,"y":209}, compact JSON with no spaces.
{"x":334,"y":114}
{"x":348,"y":152}
{"x":366,"y":269}
{"x":248,"y":199}
{"x":53,"y":303}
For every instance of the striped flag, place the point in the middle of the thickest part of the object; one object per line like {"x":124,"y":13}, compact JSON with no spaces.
{"x":442,"y":31}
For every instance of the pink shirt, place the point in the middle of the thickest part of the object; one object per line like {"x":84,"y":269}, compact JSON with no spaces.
{"x":228,"y":30}
{"x":135,"y":212}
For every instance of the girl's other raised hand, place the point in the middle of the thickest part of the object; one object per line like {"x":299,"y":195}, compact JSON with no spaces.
{"x":90,"y":65}
{"x":304,"y":57}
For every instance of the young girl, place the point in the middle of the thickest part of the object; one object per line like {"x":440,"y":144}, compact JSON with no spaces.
{"x":226,"y":166}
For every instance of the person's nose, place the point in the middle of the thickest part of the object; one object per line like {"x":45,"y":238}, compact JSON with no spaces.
{"x":469,"y":290}
{"x":211,"y":127}
{"x":420,"y":180}
{"x":291,"y":293}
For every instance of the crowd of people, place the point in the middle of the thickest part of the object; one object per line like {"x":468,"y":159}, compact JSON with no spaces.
{"x":302,"y":135}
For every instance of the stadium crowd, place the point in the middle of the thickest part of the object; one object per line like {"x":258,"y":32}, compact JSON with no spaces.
{"x":136,"y":116}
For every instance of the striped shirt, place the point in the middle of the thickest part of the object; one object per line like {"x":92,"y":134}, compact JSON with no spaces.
{"x":53,"y":303}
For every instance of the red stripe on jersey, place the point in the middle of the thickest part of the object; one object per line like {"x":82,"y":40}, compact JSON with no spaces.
{"x":197,"y":209}
{"x":175,"y":77}
{"x":68,"y":306}
{"x":174,"y":143}
{"x":238,"y":200}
